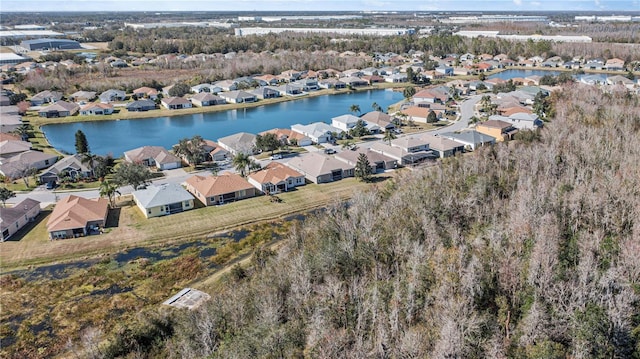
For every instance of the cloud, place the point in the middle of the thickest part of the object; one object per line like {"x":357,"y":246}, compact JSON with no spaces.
{"x":517,"y":2}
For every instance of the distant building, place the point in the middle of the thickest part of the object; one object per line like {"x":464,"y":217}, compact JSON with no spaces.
{"x":50,"y":44}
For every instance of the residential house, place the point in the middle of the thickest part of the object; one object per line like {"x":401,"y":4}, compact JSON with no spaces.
{"x":166,"y":90}
{"x":141,"y":105}
{"x":227,"y":85}
{"x":500,"y":130}
{"x":59,"y":109}
{"x":384,"y":121}
{"x":620,"y":80}
{"x":520,"y":120}
{"x":276,"y":177}
{"x":75,"y":216}
{"x":289,"y":137}
{"x":445,"y":70}
{"x":401,"y":154}
{"x":331,"y":83}
{"x":344,"y":122}
{"x":289,"y":89}
{"x":85,"y":96}
{"x":307,"y":84}
{"x":153,"y":156}
{"x":14,"y":218}
{"x":112,"y":96}
{"x":215,"y":151}
{"x":378,"y":161}
{"x":614,"y":64}
{"x":241,"y":142}
{"x":209,"y":88}
{"x":420,"y":113}
{"x":592,"y":80}
{"x":175,"y":103}
{"x":10,"y":122}
{"x":74,"y":166}
{"x":265,"y":92}
{"x":471,"y":139}
{"x":430,"y":96}
{"x":319,"y":168}
{"x":215,"y":190}
{"x":19,"y":165}
{"x":238,"y":96}
{"x":145,"y":92}
{"x":5,"y":100}
{"x":445,"y":147}
{"x":318,"y":132}
{"x":396,"y":78}
{"x":96,"y":109}
{"x":354,"y":81}
{"x":45,"y":97}
{"x":267,"y":80}
{"x":290,"y":75}
{"x":12,"y":147}
{"x":594,"y":64}
{"x":203,"y":99}
{"x":163,"y":200}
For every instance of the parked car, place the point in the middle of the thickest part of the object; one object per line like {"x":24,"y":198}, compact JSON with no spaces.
{"x":329,"y":151}
{"x":50,"y":185}
{"x":277,"y":156}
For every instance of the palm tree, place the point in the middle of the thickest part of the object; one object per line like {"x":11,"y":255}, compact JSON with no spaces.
{"x":241,"y":163}
{"x":354,"y":108}
{"x":90,"y":159}
{"x":22,"y":131}
{"x":108,"y":189}
{"x":376,"y":107}
{"x":389,"y":136}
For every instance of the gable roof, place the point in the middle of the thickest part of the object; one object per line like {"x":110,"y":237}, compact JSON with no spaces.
{"x":217,"y":185}
{"x":74,"y":212}
{"x":316,"y":164}
{"x":8,"y":216}
{"x":274,"y":172}
{"x":440,"y":143}
{"x":61,"y":106}
{"x":239,"y":142}
{"x":175,"y":101}
{"x":13,"y":146}
{"x":158,"y":153}
{"x":168,"y":193}
{"x":74,"y":161}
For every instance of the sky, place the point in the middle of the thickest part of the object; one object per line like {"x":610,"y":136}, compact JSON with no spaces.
{"x":319,"y":5}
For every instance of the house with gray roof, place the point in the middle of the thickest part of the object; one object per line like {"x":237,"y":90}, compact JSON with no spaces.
{"x":45,"y":97}
{"x":319,"y":168}
{"x":163,"y":200}
{"x":521,"y":120}
{"x":203,"y":99}
{"x":443,"y":146}
{"x":10,"y":122}
{"x":384,"y":121}
{"x":112,"y":96}
{"x":153,"y":156}
{"x":82,"y":96}
{"x":71,"y":165}
{"x":470,"y":139}
{"x":59,"y":109}
{"x":318,"y":132}
{"x":19,"y":165}
{"x":241,"y":142}
{"x":10,"y":148}
{"x":141,"y":105}
{"x":238,"y":96}
{"x":13,"y":219}
{"x":400,"y":153}
{"x":265,"y":92}
{"x":378,"y":161}
{"x":206,"y":88}
{"x":175,"y":103}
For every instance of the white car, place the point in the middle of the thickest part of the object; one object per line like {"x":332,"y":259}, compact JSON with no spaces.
{"x":277,"y":156}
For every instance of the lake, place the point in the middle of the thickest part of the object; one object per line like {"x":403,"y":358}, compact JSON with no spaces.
{"x":116,"y":137}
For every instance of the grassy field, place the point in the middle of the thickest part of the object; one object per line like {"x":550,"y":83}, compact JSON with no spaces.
{"x":132,"y":229}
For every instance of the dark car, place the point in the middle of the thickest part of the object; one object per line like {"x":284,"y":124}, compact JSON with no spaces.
{"x":50,"y":185}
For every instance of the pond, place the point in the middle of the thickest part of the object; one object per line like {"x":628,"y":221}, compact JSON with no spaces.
{"x":116,"y":137}
{"x":511,"y":73}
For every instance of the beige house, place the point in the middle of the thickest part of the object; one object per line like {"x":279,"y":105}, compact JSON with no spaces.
{"x":276,"y":177}
{"x":500,"y":130}
{"x":14,"y":218}
{"x":163,"y":200}
{"x":214,"y":190}
{"x":319,"y":168}
{"x":75,"y":216}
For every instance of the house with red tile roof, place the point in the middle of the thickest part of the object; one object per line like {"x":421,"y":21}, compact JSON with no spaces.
{"x":276,"y":177}
{"x":75,"y":216}
{"x":214,"y":190}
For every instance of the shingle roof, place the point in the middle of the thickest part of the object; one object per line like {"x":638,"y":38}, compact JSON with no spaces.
{"x":74,"y":212}
{"x":8,"y":216}
{"x":165,"y":194}
{"x":316,"y":164}
{"x":472,"y":136}
{"x":218,"y":185}
{"x":274,"y":172}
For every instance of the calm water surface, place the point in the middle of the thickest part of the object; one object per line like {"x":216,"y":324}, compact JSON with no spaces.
{"x":116,"y":137}
{"x":511,"y":73}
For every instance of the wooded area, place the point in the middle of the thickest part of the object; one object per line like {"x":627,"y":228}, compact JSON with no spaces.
{"x":525,"y":250}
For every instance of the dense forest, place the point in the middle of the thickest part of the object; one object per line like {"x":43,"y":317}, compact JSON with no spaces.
{"x":527,"y":249}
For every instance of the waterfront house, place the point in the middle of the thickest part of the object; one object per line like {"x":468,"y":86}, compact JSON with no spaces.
{"x":227,"y":85}
{"x":614,"y":64}
{"x":238,"y":96}
{"x":10,"y":122}
{"x":267,"y":80}
{"x":203,"y":99}
{"x":141,"y":105}
{"x":96,"y":109}
{"x":75,"y":216}
{"x":319,"y":168}
{"x":354,"y":81}
{"x":289,"y":137}
{"x":215,"y":151}
{"x":241,"y":142}
{"x":289,"y":89}
{"x":265,"y":93}
{"x":276,"y":177}
{"x":215,"y":190}
{"x":420,"y":113}
{"x":344,"y":122}
{"x":163,"y":200}
{"x":384,"y":121}
{"x":153,"y":156}
{"x":209,"y":88}
{"x":331,"y":83}
{"x":59,"y":109}
{"x":175,"y":103}
{"x":12,"y":219}
{"x":318,"y":132}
